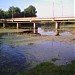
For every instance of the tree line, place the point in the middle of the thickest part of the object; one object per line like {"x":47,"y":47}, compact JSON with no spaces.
{"x":15,"y":12}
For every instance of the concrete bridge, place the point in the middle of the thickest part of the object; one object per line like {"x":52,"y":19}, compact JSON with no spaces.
{"x":34,"y":20}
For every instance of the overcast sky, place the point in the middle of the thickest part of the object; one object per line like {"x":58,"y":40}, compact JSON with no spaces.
{"x":45,"y":8}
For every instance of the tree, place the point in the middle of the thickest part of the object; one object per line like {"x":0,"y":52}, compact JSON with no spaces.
{"x":22,"y":14}
{"x":14,"y":12}
{"x":30,"y":11}
{"x":1,"y":14}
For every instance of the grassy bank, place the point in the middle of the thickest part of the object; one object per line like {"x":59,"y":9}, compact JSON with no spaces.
{"x":48,"y":68}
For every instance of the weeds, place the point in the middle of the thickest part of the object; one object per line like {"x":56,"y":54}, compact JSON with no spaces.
{"x":48,"y":68}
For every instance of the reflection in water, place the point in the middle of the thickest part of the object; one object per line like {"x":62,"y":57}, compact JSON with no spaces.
{"x":66,"y":33}
{"x":51,"y":32}
{"x":42,"y":32}
{"x":18,"y":52}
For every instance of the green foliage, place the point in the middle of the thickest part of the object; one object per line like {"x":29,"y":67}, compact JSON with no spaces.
{"x":48,"y":68}
{"x":1,"y":14}
{"x":30,"y":11}
{"x":15,"y":12}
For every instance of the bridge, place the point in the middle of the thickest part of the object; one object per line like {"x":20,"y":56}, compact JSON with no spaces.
{"x":34,"y":20}
{"x":37,"y":19}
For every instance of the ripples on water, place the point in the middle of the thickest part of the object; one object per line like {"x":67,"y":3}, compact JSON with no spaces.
{"x":19,"y":52}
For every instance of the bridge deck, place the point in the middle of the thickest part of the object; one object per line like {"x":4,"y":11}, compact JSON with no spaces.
{"x":37,"y":19}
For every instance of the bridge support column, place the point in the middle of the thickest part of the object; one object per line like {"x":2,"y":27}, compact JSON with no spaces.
{"x":34,"y":28}
{"x":3,"y":25}
{"x":34,"y":25}
{"x":17,"y":26}
{"x":57,"y":27}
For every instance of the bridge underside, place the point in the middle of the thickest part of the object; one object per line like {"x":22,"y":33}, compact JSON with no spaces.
{"x":33,"y":22}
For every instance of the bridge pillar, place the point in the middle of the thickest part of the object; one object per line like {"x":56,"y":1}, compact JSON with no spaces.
{"x":3,"y":25}
{"x":34,"y":25}
{"x":34,"y":28}
{"x":17,"y":26}
{"x":57,"y":27}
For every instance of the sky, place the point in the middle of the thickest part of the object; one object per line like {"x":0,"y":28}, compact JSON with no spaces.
{"x":45,"y":8}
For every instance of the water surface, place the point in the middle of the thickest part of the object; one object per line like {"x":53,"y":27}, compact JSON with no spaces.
{"x":20,"y":51}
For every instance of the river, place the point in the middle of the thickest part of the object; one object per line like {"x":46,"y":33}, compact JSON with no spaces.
{"x":20,"y":51}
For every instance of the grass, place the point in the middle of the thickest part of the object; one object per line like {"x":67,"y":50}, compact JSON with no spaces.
{"x":12,"y":30}
{"x":55,"y":59}
{"x":48,"y":68}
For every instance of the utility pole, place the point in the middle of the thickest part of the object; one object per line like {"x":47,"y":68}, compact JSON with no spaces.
{"x":12,"y":12}
{"x":24,"y":13}
{"x":53,"y":8}
{"x":62,"y":6}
